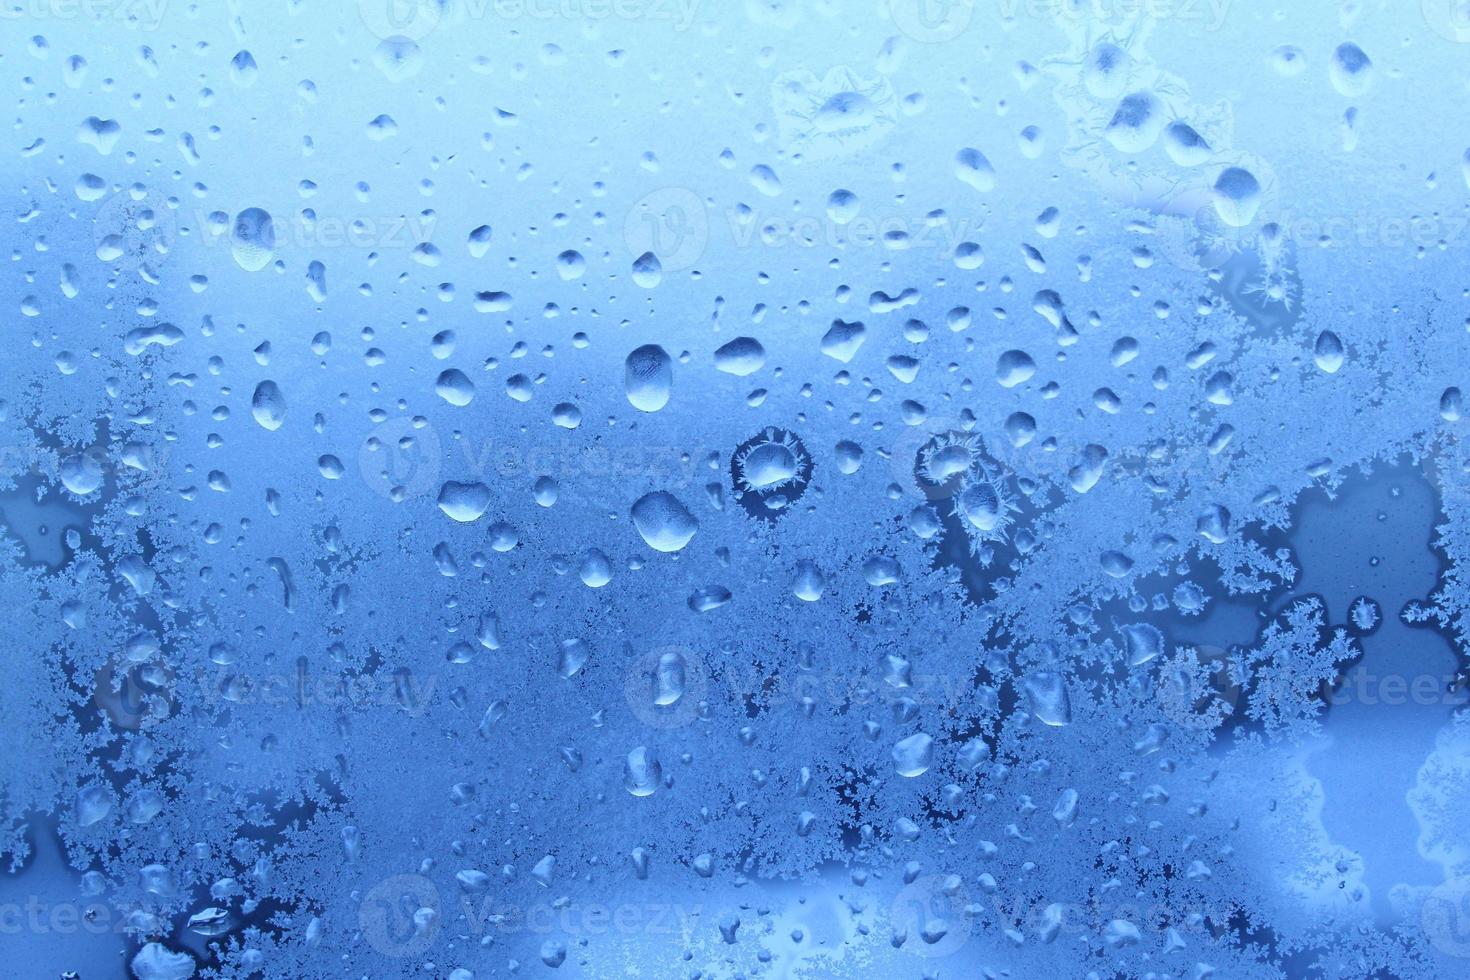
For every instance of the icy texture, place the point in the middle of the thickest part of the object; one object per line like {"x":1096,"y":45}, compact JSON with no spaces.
{"x":793,"y":489}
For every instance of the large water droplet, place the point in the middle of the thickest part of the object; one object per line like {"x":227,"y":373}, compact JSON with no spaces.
{"x":464,"y":502}
{"x":914,"y":755}
{"x":81,"y":473}
{"x":1237,"y":196}
{"x":669,"y":678}
{"x":455,"y":388}
{"x":398,"y":58}
{"x":648,"y":377}
{"x":1014,"y":367}
{"x":648,"y":271}
{"x":253,"y":239}
{"x":1328,"y":352}
{"x":741,"y":357}
{"x":1136,"y":123}
{"x":663,"y":521}
{"x":641,"y":772}
{"x":972,"y":167}
{"x":1047,"y":692}
{"x":268,"y":405}
{"x":1351,"y":70}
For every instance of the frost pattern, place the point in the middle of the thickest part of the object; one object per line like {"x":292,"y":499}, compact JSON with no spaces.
{"x":773,"y":490}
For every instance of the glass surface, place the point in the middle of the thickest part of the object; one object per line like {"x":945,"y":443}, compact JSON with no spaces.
{"x":735,"y":489}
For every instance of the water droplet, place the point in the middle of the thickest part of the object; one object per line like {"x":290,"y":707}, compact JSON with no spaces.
{"x":741,"y":357}
{"x":641,"y":772}
{"x":971,"y":166}
{"x":664,"y":523}
{"x":808,"y":581}
{"x":1237,"y":196}
{"x":243,"y":70}
{"x":253,"y":239}
{"x":1014,"y":367}
{"x":764,"y":179}
{"x":1047,"y":693}
{"x":596,"y":570}
{"x":914,"y":755}
{"x":464,"y":502}
{"x":571,"y":265}
{"x":1143,"y":643}
{"x":398,"y":58}
{"x":268,"y":406}
{"x":1351,"y":70}
{"x":81,"y":473}
{"x":93,"y":804}
{"x":842,"y":206}
{"x":455,"y":388}
{"x":648,"y":377}
{"x":479,"y":241}
{"x":1136,"y":123}
{"x":842,"y":340}
{"x":1288,"y":61}
{"x":1328,"y":352}
{"x":648,"y":272}
{"x":572,"y":657}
